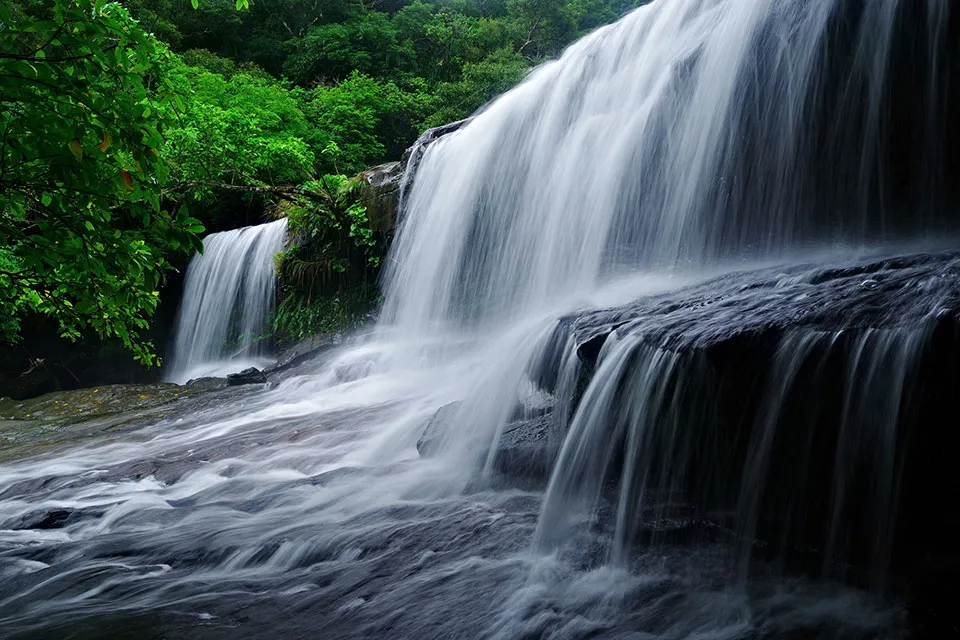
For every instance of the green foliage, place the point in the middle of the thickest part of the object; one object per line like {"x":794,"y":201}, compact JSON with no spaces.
{"x":479,"y":84}
{"x":332,"y":225}
{"x":366,"y":118}
{"x":209,"y":61}
{"x":376,"y":74}
{"x":367,"y":42}
{"x":85,"y":101}
{"x":298,"y":318}
{"x":326,"y":274}
{"x":241,"y":130}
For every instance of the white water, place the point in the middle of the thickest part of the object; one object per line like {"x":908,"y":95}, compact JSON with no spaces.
{"x":228,"y":296}
{"x":669,"y":147}
{"x":690,"y":131}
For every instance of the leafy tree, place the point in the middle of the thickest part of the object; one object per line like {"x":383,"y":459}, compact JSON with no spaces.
{"x":367,"y":42}
{"x":543,"y":25}
{"x":242,"y":130}
{"x":209,"y":61}
{"x":479,"y":84}
{"x":215,"y":25}
{"x":364,"y":118}
{"x":84,"y":103}
{"x":156,"y":17}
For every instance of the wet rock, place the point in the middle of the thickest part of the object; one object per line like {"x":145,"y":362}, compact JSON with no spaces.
{"x":429,"y":442}
{"x":380,"y":194}
{"x":893,"y":292}
{"x":412,"y":156}
{"x":53,"y":519}
{"x":305,"y":351}
{"x":790,"y":374}
{"x":206,"y":384}
{"x":527,"y":448}
{"x":68,"y":417}
{"x":250,"y":375}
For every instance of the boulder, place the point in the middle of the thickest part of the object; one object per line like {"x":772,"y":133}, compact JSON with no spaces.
{"x":380,"y":194}
{"x":251,"y":375}
{"x":799,"y":406}
{"x":527,"y":448}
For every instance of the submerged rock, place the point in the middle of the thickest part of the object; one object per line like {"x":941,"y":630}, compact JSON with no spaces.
{"x":250,"y":375}
{"x":437,"y":426}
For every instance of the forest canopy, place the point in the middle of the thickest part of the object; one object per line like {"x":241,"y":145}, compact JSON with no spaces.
{"x":130,"y":128}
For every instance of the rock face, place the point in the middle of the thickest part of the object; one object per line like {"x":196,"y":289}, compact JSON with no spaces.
{"x":251,"y":375}
{"x":527,"y":448}
{"x":383,"y":185}
{"x":380,"y":194}
{"x":412,"y":156}
{"x":802,"y":407}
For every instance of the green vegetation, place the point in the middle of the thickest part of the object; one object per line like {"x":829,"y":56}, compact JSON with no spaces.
{"x":127,"y":130}
{"x":328,"y":272}
{"x":298,"y":318}
{"x":85,"y":102}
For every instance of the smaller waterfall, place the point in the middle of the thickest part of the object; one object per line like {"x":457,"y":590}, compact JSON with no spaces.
{"x":228,"y":296}
{"x":825,"y":444}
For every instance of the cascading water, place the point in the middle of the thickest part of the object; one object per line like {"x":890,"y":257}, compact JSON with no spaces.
{"x":688,"y":132}
{"x":228,"y":295}
{"x":612,"y":279}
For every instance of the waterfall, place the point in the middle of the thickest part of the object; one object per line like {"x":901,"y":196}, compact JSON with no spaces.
{"x":691,"y":138}
{"x":228,"y":296}
{"x":653,"y":363}
{"x":689,"y":132}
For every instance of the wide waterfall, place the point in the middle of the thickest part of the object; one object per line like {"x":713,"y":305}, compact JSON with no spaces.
{"x":689,"y":132}
{"x":228,"y":296}
{"x":668,"y":344}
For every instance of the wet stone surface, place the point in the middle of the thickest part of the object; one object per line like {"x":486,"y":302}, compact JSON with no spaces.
{"x":905,"y":290}
{"x":66,"y":418}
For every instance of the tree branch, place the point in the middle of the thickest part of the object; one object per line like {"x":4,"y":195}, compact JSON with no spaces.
{"x":283,"y":190}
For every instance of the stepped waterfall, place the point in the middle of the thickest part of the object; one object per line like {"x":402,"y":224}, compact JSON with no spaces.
{"x":667,"y":349}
